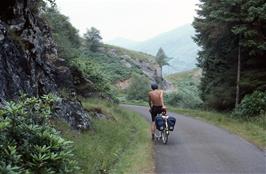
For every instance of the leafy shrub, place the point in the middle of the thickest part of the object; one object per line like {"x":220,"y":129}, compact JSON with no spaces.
{"x":100,"y":84}
{"x":183,"y":99}
{"x":64,"y":34}
{"x":186,"y":95}
{"x":29,"y":144}
{"x":91,"y":71}
{"x":252,"y":105}
{"x":111,"y":67}
{"x":138,"y":88}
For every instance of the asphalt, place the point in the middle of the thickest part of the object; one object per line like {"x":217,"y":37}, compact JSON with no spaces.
{"x":196,"y":147}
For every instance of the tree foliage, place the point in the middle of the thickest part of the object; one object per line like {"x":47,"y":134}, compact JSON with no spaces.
{"x":29,"y":143}
{"x":64,"y":34}
{"x":161,"y":58}
{"x":93,"y":39}
{"x":221,"y":27}
{"x":252,"y":105}
{"x":185,"y":96}
{"x":138,"y":88}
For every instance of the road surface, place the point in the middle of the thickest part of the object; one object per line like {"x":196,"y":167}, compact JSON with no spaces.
{"x":196,"y":147}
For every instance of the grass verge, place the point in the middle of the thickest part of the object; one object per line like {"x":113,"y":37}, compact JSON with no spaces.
{"x":118,"y":144}
{"x":252,"y":130}
{"x":135,"y":102}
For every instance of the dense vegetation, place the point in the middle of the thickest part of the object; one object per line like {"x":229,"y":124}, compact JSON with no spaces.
{"x":138,"y":88}
{"x":252,"y":105}
{"x":28,"y":141}
{"x":104,"y":65}
{"x":70,"y":48}
{"x":111,"y":68}
{"x":65,"y":35}
{"x":232,"y":36}
{"x":186,"y":93}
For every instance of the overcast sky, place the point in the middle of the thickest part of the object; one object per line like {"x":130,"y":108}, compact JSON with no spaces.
{"x":132,"y":19}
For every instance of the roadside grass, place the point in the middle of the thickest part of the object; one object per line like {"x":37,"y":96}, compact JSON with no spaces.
{"x":253,"y":130}
{"x":119,"y":144}
{"x":134,"y":102}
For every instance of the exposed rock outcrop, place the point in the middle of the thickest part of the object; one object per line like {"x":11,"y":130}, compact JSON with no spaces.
{"x":73,"y":114}
{"x":28,"y":59}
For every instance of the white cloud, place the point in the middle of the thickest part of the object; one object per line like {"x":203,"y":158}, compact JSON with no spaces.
{"x":132,"y":19}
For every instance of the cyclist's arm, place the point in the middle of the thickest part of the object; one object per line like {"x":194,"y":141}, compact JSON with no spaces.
{"x":150,"y":103}
{"x":162,"y":101}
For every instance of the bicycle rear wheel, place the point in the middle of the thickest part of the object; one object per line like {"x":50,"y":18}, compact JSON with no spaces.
{"x":164,"y":136}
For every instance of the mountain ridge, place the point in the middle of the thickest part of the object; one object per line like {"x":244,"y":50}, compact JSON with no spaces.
{"x":177,"y":43}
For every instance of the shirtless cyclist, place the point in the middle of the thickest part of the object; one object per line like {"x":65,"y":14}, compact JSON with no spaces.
{"x":156,"y":103}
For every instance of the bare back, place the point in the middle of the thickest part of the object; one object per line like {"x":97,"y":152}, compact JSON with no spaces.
{"x":156,"y":97}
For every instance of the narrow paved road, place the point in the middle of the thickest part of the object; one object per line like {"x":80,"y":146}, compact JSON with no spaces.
{"x":196,"y":147}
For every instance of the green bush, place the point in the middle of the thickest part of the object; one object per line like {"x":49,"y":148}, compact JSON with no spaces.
{"x":252,"y":105}
{"x":29,"y":144}
{"x":91,"y":71}
{"x":111,"y":67}
{"x":186,"y":95}
{"x":183,"y":100}
{"x":138,"y":88}
{"x":64,"y":34}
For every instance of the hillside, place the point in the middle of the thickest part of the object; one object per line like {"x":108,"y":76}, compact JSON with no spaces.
{"x":119,"y":64}
{"x":178,"y":44}
{"x":108,"y":66}
{"x":194,"y":75}
{"x":185,"y":91}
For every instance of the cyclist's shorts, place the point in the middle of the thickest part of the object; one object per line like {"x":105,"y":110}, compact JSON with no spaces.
{"x":155,"y":110}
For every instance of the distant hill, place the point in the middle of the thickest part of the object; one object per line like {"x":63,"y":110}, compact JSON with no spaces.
{"x":191,"y":75}
{"x":177,"y":43}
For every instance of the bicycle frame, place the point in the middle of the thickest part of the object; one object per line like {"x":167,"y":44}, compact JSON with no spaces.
{"x":164,"y":133}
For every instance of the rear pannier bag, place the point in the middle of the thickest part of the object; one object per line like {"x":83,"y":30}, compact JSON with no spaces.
{"x":171,"y":123}
{"x":159,"y":122}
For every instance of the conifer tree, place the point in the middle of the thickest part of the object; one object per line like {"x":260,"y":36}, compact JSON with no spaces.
{"x":162,"y":60}
{"x":228,"y":30}
{"x":93,"y":39}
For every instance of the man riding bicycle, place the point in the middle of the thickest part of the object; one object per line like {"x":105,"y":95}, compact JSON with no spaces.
{"x":156,"y":103}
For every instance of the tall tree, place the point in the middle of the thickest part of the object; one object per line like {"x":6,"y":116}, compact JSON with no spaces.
{"x":93,"y":39}
{"x":238,"y":73}
{"x":162,"y":60}
{"x":219,"y":26}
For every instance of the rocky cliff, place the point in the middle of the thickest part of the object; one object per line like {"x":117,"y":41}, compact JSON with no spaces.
{"x":28,"y":59}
